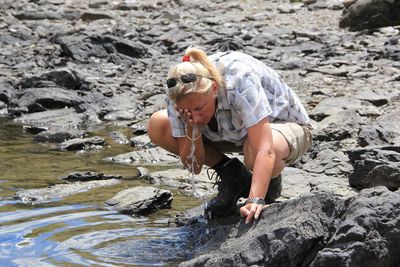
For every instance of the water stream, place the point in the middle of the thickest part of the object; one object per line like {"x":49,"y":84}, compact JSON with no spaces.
{"x":79,"y":230}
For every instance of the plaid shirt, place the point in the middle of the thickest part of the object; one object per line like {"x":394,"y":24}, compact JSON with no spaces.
{"x":253,"y":92}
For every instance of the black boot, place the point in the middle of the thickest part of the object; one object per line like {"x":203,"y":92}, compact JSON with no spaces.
{"x":274,"y":189}
{"x":233,"y":181}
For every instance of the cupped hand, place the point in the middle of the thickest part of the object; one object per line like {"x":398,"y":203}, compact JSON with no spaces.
{"x":186,"y":116}
{"x":251,"y":210}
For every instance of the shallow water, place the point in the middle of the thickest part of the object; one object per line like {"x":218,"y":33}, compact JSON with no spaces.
{"x":79,"y":230}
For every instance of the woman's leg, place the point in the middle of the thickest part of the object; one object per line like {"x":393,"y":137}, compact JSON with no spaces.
{"x":160,"y":132}
{"x":280,"y":147}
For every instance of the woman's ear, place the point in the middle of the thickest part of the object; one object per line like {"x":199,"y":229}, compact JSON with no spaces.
{"x":214,"y":88}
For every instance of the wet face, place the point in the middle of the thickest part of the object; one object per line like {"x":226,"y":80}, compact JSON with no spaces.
{"x":201,"y":106}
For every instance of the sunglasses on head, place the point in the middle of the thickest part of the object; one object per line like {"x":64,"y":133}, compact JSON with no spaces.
{"x":186,"y":78}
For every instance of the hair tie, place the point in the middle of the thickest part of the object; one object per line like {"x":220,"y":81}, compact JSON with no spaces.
{"x":186,"y":58}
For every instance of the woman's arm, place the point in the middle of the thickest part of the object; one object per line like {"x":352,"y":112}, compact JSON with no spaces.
{"x":261,"y":147}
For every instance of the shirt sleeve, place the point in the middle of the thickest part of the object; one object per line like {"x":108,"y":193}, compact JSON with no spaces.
{"x":250,"y":101}
{"x":177,"y":125}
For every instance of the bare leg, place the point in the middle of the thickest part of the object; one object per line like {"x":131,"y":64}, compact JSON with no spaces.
{"x":281,"y":149}
{"x":160,"y":133}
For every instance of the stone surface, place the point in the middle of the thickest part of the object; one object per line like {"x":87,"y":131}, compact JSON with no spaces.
{"x":141,"y":200}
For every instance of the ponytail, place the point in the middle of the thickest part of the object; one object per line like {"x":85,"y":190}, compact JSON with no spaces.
{"x":195,"y":61}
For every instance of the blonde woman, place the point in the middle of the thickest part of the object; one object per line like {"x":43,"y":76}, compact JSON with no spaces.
{"x":232,"y":102}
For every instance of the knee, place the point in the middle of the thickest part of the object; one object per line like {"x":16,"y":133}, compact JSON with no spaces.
{"x":157,"y":126}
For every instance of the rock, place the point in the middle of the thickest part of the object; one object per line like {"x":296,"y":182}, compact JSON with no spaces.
{"x":56,"y":192}
{"x":382,"y":131}
{"x":141,"y":141}
{"x":42,"y":99}
{"x":88,"y":176}
{"x":370,"y":14}
{"x":53,"y":136}
{"x":150,"y":156}
{"x":374,"y":166}
{"x":365,"y":235}
{"x":141,"y":200}
{"x":287,"y":234}
{"x":333,"y":105}
{"x":66,"y":118}
{"x":82,"y":143}
{"x":329,"y":162}
{"x":344,"y":124}
{"x":184,"y":181}
{"x":118,"y":138}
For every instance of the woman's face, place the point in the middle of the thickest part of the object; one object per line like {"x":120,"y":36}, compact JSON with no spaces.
{"x":201,"y":106}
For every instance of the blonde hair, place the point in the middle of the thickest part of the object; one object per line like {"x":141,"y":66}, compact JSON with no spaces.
{"x":200,"y":65}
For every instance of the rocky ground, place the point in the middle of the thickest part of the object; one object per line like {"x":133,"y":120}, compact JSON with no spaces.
{"x":68,"y":65}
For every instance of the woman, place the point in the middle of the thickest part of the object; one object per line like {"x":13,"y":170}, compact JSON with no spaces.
{"x":232,"y":102}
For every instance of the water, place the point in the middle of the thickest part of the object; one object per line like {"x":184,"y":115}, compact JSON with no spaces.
{"x":79,"y":230}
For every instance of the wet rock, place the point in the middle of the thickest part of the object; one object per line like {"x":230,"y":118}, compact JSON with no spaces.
{"x":367,"y":232}
{"x":53,"y":136}
{"x":57,"y":192}
{"x":141,"y":200}
{"x":118,"y":137}
{"x":66,"y":118}
{"x":88,"y":176}
{"x":141,"y":141}
{"x":82,"y":143}
{"x":370,"y":14}
{"x":6,"y":91}
{"x":374,"y":166}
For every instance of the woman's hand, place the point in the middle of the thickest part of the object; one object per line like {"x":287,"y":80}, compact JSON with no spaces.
{"x":186,"y":116}
{"x":251,"y":210}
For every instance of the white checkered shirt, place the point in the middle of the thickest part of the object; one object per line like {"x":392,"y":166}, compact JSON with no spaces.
{"x":253,"y":92}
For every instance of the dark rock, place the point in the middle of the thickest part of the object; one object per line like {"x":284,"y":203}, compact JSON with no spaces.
{"x":61,"y":77}
{"x":375,"y":166}
{"x":141,"y":200}
{"x":82,"y":49}
{"x":88,"y":176}
{"x":287,"y":234}
{"x":383,"y":131}
{"x":53,"y":136}
{"x":6,"y":91}
{"x":367,"y":234}
{"x":339,"y":126}
{"x":370,"y":14}
{"x":42,"y":99}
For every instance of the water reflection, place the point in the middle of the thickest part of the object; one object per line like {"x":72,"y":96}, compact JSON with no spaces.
{"x":78,"y":230}
{"x":85,"y":236}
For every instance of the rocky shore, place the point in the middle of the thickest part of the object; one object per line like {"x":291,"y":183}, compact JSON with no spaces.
{"x":67,"y":66}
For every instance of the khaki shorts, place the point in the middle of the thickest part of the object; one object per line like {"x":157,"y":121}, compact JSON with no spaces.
{"x":299,"y":139}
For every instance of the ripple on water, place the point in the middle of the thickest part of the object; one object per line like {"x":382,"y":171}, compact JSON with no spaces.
{"x":86,"y":236}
